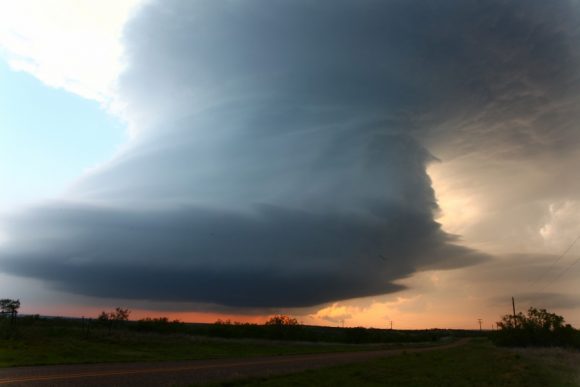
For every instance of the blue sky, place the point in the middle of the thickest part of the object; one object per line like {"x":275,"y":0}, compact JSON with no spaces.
{"x":48,"y":138}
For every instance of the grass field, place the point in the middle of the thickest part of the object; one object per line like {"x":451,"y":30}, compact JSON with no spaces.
{"x":478,"y":363}
{"x":44,"y":341}
{"x":57,"y":345}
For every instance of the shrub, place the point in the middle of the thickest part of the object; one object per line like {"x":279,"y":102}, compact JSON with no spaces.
{"x":537,"y":328}
{"x":282,"y":320}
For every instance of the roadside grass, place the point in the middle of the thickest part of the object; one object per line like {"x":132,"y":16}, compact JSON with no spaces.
{"x":69,"y":345}
{"x":560,"y":360}
{"x":478,"y":363}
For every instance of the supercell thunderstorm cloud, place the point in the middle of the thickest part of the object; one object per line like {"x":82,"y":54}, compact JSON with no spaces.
{"x":281,"y":148}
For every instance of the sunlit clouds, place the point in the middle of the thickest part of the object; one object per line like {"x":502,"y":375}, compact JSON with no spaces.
{"x":69,"y":44}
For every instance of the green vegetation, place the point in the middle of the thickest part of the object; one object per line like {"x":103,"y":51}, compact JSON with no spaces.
{"x":33,"y":341}
{"x":538,"y":328}
{"x":65,"y":346}
{"x":111,"y":337}
{"x":478,"y":363}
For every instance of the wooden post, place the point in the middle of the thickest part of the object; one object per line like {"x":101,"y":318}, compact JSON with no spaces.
{"x":514,"y":310}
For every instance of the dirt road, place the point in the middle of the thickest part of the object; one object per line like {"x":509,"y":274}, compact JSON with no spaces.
{"x":186,"y":372}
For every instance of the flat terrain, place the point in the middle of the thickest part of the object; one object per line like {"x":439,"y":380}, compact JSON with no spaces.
{"x":184,"y":373}
{"x":71,"y":348}
{"x":65,"y":341}
{"x":61,"y":352}
{"x":478,"y":364}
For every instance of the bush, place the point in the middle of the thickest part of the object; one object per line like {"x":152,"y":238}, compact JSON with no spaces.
{"x":159,"y":325}
{"x":538,"y":328}
{"x":282,"y":320}
{"x":117,"y":317}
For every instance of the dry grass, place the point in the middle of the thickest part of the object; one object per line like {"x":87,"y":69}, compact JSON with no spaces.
{"x":477,"y":364}
{"x":560,"y":360}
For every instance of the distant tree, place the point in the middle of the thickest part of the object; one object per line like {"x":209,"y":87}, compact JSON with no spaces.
{"x":121,"y":314}
{"x":159,"y":324}
{"x":282,"y":327}
{"x":282,"y":320}
{"x":219,"y":321}
{"x":109,"y":319}
{"x":537,"y":327}
{"x":536,"y":319}
{"x":9,"y":308}
{"x":104,"y":316}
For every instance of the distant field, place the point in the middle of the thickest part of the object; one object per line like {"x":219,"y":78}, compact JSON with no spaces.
{"x":479,"y":363}
{"x":70,"y":347}
{"x":62,"y":342}
{"x":48,"y":341}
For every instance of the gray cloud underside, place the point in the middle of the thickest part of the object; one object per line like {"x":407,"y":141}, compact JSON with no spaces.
{"x":532,"y":279}
{"x":282,"y":154}
{"x":542,"y":300}
{"x":274,"y":257}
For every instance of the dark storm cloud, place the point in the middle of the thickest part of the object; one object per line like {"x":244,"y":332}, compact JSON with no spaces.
{"x":281,"y":159}
{"x":519,"y":85}
{"x":273,"y":257}
{"x":463,"y":76}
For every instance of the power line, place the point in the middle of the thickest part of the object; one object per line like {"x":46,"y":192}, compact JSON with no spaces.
{"x":546,"y":272}
{"x":562,"y":273}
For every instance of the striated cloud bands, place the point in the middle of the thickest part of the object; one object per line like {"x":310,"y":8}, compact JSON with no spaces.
{"x":282,"y":148}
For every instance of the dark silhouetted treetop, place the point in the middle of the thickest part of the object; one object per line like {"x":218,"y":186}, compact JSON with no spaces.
{"x":9,"y":308}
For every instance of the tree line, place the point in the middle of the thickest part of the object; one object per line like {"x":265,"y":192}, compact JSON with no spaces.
{"x":537,"y":327}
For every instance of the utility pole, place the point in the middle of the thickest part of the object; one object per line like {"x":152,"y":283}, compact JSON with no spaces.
{"x":391,"y":324}
{"x":514,"y":309}
{"x":479,"y":321}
